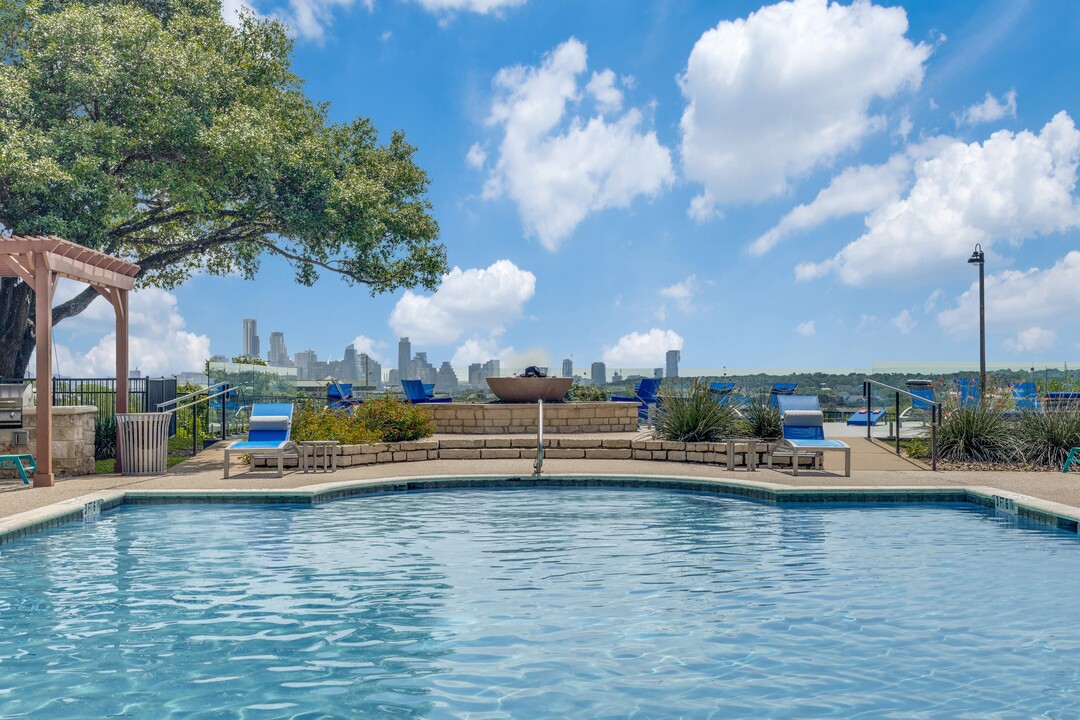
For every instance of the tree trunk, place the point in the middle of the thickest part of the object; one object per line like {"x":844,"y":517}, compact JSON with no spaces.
{"x":16,"y":322}
{"x":16,"y":329}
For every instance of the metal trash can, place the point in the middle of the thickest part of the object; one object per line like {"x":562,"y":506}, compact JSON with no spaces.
{"x":143,"y":442}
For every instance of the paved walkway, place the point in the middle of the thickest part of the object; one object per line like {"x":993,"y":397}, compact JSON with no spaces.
{"x":873,"y":465}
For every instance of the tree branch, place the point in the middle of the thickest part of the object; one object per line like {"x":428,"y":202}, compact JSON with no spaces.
{"x":75,"y":305}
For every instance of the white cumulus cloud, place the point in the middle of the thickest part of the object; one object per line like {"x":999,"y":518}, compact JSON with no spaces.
{"x":558,"y":164}
{"x":158,"y":340}
{"x":857,"y":189}
{"x":364,"y":344}
{"x":467,"y":302}
{"x":1018,"y":299}
{"x":643,"y":350}
{"x":482,"y":7}
{"x":1033,"y":339}
{"x":806,"y":329}
{"x":989,"y":110}
{"x":774,"y":95}
{"x":1012,"y":187}
{"x":904,"y":322}
{"x":682,"y":293}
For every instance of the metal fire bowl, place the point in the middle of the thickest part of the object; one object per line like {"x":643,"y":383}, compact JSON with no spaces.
{"x":529,"y":390}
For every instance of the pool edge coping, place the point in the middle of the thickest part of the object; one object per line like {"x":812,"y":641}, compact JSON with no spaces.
{"x":1053,"y":514}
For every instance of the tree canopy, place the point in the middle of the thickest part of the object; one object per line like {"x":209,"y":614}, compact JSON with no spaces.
{"x":157,"y":132}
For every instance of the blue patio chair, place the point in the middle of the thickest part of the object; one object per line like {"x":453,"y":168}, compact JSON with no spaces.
{"x":417,"y":393}
{"x":339,"y":396}
{"x":804,"y":435}
{"x":969,"y":392}
{"x":920,"y":405}
{"x":722,"y":389}
{"x":268,"y":434}
{"x":781,"y":389}
{"x":645,"y":394}
{"x":1026,"y":395}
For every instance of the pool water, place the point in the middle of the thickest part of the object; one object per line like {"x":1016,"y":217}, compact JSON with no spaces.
{"x":542,"y":603}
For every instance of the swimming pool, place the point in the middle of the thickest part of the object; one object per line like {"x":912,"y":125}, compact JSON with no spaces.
{"x":538,"y":603}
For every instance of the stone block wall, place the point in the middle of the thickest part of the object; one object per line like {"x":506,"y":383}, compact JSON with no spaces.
{"x":482,"y":448}
{"x":509,"y":419}
{"x":72,"y":444}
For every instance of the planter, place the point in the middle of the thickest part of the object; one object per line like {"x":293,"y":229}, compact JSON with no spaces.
{"x":529,"y":389}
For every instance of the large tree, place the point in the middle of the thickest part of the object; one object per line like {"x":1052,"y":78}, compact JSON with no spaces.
{"x":154,"y":131}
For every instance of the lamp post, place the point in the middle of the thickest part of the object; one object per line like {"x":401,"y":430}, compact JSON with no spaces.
{"x":979,"y":258}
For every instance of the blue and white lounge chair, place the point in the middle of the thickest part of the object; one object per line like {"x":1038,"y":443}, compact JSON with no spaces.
{"x":924,"y":400}
{"x":804,"y":435}
{"x":1026,"y":395}
{"x":781,"y":389}
{"x":268,"y":434}
{"x":969,"y":392}
{"x":417,"y":393}
{"x":339,"y":396}
{"x":645,"y":395}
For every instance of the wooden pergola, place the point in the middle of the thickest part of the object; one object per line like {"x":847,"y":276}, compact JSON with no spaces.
{"x":40,"y":262}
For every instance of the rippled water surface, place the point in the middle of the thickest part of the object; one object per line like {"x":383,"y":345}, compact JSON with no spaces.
{"x":541,"y":604}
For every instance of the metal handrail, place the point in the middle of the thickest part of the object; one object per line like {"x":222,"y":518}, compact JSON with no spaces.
{"x":935,"y":414}
{"x":538,"y":466}
{"x":200,"y":396}
{"x":200,"y":391}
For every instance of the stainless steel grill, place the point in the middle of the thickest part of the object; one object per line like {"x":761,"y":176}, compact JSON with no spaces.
{"x":11,"y":405}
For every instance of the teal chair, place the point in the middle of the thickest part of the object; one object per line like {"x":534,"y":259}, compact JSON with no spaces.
{"x":1073,"y":457}
{"x":21,"y":463}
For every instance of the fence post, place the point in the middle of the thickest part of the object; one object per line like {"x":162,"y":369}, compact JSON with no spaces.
{"x":898,"y":423}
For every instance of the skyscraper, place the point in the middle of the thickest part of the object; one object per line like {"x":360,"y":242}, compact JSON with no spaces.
{"x":251,"y":338}
{"x":304,"y":361}
{"x":348,"y":363}
{"x":568,"y":367}
{"x":599,"y":373}
{"x":369,"y":372}
{"x":278,"y":356}
{"x":673,"y":363}
{"x":404,"y":358}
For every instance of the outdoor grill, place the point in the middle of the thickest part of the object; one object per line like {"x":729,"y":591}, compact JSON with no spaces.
{"x":11,"y":404}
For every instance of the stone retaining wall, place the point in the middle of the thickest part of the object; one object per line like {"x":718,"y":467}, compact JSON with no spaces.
{"x":72,"y":444}
{"x":509,"y":419}
{"x":524,"y":448}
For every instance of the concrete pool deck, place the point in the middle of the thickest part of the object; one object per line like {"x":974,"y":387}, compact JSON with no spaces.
{"x":873,"y":467}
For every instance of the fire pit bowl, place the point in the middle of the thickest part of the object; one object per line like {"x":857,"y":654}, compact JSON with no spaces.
{"x":529,"y":389}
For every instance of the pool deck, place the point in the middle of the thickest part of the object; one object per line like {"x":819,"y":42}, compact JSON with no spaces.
{"x":873,"y":467}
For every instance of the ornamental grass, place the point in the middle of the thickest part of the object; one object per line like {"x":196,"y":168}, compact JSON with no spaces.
{"x":691,"y":413}
{"x":978,"y":433}
{"x":1046,"y":437}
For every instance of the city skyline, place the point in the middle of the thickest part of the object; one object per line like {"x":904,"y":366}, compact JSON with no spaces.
{"x":613,"y":191}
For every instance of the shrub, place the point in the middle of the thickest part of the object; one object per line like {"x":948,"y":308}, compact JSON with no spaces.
{"x":331,"y":424}
{"x":691,"y":413}
{"x":978,"y":433}
{"x":761,"y":420}
{"x":585,"y":393}
{"x":1045,"y":437}
{"x":395,"y":420}
{"x":105,"y":437}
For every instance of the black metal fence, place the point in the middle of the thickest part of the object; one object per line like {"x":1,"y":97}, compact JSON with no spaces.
{"x":99,"y":392}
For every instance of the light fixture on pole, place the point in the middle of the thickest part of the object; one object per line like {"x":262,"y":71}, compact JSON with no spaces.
{"x":979,"y":258}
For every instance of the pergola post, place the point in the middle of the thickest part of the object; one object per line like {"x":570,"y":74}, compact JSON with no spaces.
{"x":43,"y":287}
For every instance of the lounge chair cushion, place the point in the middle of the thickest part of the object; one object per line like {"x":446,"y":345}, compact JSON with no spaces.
{"x":804,"y":418}
{"x":269,"y":422}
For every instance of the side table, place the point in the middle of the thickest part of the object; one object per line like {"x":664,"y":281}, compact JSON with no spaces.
{"x":751,"y":452}
{"x":323,"y":452}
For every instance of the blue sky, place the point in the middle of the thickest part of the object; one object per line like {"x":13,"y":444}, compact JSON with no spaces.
{"x":787,"y":185}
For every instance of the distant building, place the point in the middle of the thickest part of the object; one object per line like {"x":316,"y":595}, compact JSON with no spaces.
{"x":278,"y":355}
{"x":658,"y":373}
{"x":476,"y":377}
{"x":404,"y":358}
{"x":219,"y":358}
{"x":491,"y":368}
{"x":305,"y":361}
{"x":568,"y":368}
{"x":251,"y":339}
{"x":394,"y":379}
{"x":136,"y":373}
{"x":348,"y":364}
{"x":446,"y":379}
{"x":617,"y":377}
{"x":599,"y":373}
{"x":672,"y":362}
{"x":369,"y":371}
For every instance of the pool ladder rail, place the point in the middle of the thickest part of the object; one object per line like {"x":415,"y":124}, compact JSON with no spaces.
{"x":538,"y":465}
